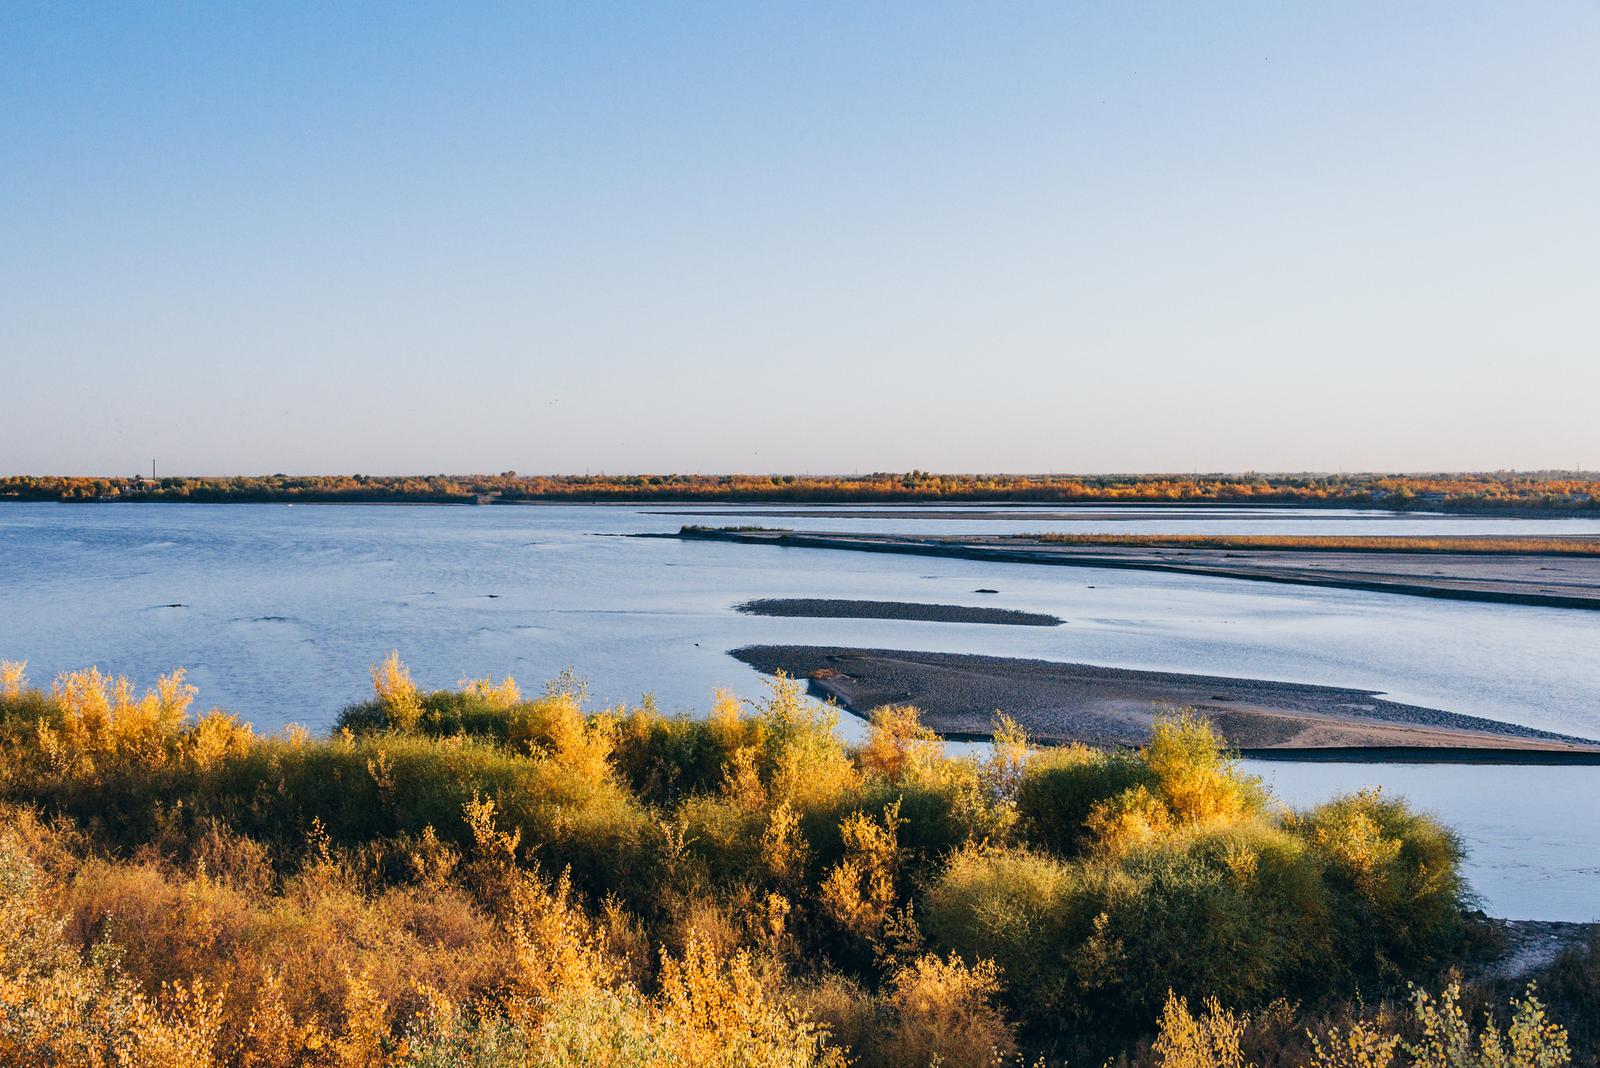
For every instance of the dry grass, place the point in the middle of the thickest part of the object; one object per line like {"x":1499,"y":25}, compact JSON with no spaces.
{"x":1577,"y":546}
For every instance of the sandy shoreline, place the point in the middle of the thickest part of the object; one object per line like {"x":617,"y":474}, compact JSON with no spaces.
{"x":1507,"y":578}
{"x":1129,"y":513}
{"x":826,"y":608}
{"x":1062,"y":702}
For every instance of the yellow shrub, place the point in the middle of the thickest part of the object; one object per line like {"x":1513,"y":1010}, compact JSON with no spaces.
{"x":898,"y":744}
{"x":1197,"y":780}
{"x":845,"y":1008}
{"x":360,"y":1041}
{"x":581,"y":745}
{"x":13,"y":678}
{"x":802,"y":759}
{"x":1208,"y":1041}
{"x":392,"y":684}
{"x":726,"y":722}
{"x":100,"y":722}
{"x":1447,"y":1041}
{"x":741,"y":780}
{"x":1361,"y":1046}
{"x":493,"y":867}
{"x":272,"y":1036}
{"x":181,"y":1029}
{"x":501,"y":696}
{"x":217,"y":736}
{"x":717,"y":1014}
{"x":1008,"y":755}
{"x":301,"y":969}
{"x":942,"y":1012}
{"x":58,"y":1010}
{"x":1132,"y":818}
{"x":699,"y":917}
{"x":1348,"y":833}
{"x":783,"y":846}
{"x":556,"y":947}
{"x":859,"y":891}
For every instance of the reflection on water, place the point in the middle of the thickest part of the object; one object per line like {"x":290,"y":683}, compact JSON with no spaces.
{"x":281,"y":609}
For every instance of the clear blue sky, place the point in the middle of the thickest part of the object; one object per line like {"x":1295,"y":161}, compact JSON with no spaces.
{"x":799,"y":236}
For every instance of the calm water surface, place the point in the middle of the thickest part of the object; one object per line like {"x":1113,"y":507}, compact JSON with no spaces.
{"x":283,"y":609}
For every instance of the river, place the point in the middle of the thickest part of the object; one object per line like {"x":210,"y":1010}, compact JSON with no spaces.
{"x":277,"y":611}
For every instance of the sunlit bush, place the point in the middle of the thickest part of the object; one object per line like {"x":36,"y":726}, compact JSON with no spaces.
{"x":859,"y":891}
{"x":1198,"y":781}
{"x":941,"y":1011}
{"x":1396,"y":880}
{"x":1021,"y":908}
{"x":1060,"y":787}
{"x":1171,"y":872}
{"x":1210,"y":1040}
{"x":898,"y":746}
{"x":13,"y":677}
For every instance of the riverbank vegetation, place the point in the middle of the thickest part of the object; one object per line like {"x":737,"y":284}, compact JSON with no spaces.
{"x":485,"y":877}
{"x":1570,"y":492}
{"x":1574,"y":546}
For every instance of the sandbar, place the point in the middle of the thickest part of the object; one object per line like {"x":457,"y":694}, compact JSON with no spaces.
{"x":826,"y":608}
{"x":958,"y":695}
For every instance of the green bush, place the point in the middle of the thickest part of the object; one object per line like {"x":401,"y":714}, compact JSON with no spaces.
{"x":1166,"y":869}
{"x":1396,"y":891}
{"x":1023,"y":909}
{"x":1060,"y":787}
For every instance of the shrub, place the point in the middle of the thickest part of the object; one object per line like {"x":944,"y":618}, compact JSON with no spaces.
{"x":57,"y":1009}
{"x":796,"y":752}
{"x":898,"y":745}
{"x":942,"y":1012}
{"x":715,"y":1013}
{"x":1024,"y":909}
{"x":1198,"y":781}
{"x":13,"y":677}
{"x":1074,"y":797}
{"x":1397,"y":893}
{"x":846,"y":1008}
{"x":859,"y":892}
{"x":1238,"y":913}
{"x":1060,"y":787}
{"x":665,"y":759}
{"x":1447,"y":1039}
{"x":1211,"y":1040}
{"x":397,"y":694}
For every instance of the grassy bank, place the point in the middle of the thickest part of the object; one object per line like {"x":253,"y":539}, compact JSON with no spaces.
{"x":1577,"y":546}
{"x":479,"y":877}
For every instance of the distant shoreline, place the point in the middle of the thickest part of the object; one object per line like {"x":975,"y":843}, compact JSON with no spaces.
{"x":1536,"y":493}
{"x":854,"y":508}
